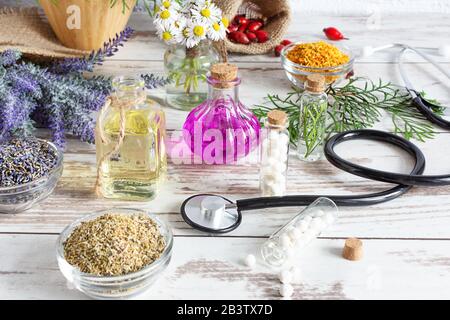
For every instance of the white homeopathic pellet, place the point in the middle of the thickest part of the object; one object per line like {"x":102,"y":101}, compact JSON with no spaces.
{"x":250,"y":261}
{"x":285,"y":241}
{"x":286,"y":290}
{"x":274,"y":155}
{"x":294,"y":234}
{"x":285,"y":276}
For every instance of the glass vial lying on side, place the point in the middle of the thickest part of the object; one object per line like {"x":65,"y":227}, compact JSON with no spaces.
{"x":299,"y":232}
{"x":313,"y":118}
{"x":274,"y":154}
{"x":129,"y":137}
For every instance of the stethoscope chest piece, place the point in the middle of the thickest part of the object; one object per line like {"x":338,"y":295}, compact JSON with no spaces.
{"x":211,"y":213}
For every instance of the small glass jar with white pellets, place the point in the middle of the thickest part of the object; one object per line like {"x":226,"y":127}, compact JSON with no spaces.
{"x":287,"y":241}
{"x":274,"y":154}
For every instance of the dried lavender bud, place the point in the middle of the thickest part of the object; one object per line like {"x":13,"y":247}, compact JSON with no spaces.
{"x":9,"y":57}
{"x":25,"y":160}
{"x":114,"y":244}
{"x":69,"y":65}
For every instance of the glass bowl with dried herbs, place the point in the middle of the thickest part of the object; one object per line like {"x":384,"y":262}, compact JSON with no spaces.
{"x":30,"y":169}
{"x":114,"y":254}
{"x":332,"y":60}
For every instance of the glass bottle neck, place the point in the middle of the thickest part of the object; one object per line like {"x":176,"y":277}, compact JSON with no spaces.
{"x":226,"y":90}
{"x":129,"y":91}
{"x":314,"y":93}
{"x":215,"y":93}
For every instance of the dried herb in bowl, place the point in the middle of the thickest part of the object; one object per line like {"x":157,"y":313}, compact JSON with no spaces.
{"x":114,"y":244}
{"x":25,"y":160}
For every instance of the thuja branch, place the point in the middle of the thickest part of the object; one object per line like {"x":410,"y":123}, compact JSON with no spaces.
{"x":358,"y":104}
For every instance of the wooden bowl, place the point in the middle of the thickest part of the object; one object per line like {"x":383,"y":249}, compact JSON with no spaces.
{"x":86,"y":25}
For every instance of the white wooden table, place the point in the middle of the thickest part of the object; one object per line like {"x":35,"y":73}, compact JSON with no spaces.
{"x":406,"y":241}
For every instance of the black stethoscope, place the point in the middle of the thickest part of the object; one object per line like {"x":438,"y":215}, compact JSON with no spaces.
{"x":217,"y":214}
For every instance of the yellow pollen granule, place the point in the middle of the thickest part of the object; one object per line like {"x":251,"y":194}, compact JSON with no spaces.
{"x":317,"y":54}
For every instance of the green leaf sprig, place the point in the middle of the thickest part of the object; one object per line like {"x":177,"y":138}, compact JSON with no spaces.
{"x":358,"y":104}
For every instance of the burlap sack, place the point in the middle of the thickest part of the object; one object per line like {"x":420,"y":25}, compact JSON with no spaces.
{"x":276,"y":13}
{"x":26,"y":30}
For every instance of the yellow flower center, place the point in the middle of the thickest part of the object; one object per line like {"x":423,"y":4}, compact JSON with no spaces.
{"x":166,"y":4}
{"x":225,"y":22}
{"x":165,"y":14}
{"x":199,"y":31}
{"x":206,"y":13}
{"x":186,"y":33}
{"x":166,"y":36}
{"x":216,"y":26}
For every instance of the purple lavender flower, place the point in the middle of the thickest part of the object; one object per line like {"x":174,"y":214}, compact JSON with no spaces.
{"x":56,"y":125}
{"x":153,"y":82}
{"x":9,"y":57}
{"x":95,"y":58}
{"x":59,"y":97}
{"x":6,"y":116}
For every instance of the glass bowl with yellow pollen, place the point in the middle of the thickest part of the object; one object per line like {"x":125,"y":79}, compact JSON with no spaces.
{"x":114,"y":254}
{"x":332,"y":60}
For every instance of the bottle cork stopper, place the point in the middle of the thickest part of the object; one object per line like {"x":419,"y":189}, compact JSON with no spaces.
{"x":224,"y":71}
{"x":353,"y":249}
{"x":277,"y":117}
{"x":315,"y":83}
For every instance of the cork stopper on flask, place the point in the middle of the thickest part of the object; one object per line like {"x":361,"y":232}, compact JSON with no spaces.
{"x":353,"y":249}
{"x":224,"y":73}
{"x":277,"y":117}
{"x":315,"y":83}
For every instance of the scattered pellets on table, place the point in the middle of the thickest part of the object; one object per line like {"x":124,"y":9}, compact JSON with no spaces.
{"x":286,"y":290}
{"x":285,"y":276}
{"x":250,"y":261}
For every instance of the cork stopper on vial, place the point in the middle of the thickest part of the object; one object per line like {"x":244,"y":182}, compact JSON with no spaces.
{"x":224,"y":74}
{"x":277,"y":118}
{"x":353,"y":249}
{"x":315,"y":83}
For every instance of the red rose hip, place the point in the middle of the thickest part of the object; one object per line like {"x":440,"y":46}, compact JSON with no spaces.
{"x":240,"y":19}
{"x":278,"y":50}
{"x":243,"y":27}
{"x":252,"y":36}
{"x":254,"y":26}
{"x":262,"y":36}
{"x":241,"y":38}
{"x":286,"y":42}
{"x":232,"y":27}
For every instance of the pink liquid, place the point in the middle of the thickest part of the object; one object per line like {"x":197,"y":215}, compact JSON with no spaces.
{"x":221,"y":131}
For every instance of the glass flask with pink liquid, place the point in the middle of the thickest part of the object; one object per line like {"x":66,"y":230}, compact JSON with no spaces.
{"x":222,"y":130}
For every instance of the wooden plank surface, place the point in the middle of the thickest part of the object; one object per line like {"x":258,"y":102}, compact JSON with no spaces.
{"x":213,"y":269}
{"x":407,"y":240}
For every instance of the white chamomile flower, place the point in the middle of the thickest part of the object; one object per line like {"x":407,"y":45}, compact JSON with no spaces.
{"x":183,"y":31}
{"x":165,"y":17}
{"x":206,"y":12}
{"x":168,"y":33}
{"x":217,"y":31}
{"x":172,"y":4}
{"x":196,"y":32}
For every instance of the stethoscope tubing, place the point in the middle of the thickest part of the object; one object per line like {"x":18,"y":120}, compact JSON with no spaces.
{"x":404,"y":181}
{"x":422,"y":105}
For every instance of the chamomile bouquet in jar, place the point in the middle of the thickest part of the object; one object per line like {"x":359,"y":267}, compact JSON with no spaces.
{"x":189,"y":28}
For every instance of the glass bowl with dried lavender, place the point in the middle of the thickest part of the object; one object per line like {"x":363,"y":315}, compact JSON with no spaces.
{"x":114,"y":254}
{"x":332,"y":60}
{"x":30,"y":168}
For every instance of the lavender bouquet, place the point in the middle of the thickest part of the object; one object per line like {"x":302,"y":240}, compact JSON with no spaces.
{"x":58,"y":96}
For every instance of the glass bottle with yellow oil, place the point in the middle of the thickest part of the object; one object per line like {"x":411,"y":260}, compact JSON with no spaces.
{"x":129,"y":137}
